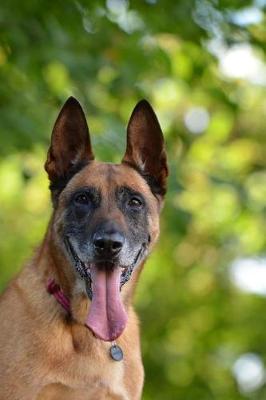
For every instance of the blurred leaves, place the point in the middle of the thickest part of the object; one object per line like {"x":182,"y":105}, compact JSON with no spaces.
{"x":195,"y":323}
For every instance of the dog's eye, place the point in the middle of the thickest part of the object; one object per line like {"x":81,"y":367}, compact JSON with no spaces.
{"x":82,"y":198}
{"x":135,"y":202}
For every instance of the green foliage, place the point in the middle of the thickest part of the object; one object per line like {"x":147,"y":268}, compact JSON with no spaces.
{"x":195,"y":323}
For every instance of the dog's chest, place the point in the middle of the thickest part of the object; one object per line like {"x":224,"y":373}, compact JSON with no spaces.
{"x":97,"y":391}
{"x":84,"y":381}
{"x":93,"y":373}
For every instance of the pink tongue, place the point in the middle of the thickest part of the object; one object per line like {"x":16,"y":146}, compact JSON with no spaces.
{"x":107,"y":316}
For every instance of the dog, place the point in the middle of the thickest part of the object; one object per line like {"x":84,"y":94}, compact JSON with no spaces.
{"x":68,"y":328}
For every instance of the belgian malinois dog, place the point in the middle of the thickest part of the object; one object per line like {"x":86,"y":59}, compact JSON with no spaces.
{"x":68,"y":329}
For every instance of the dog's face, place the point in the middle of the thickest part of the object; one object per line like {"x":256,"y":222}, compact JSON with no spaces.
{"x":106,"y":215}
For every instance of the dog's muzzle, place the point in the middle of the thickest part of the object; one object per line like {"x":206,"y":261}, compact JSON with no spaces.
{"x":84,"y":269}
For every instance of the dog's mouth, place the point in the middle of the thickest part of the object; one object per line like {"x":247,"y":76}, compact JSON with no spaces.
{"x":107,"y":316}
{"x":84,"y":269}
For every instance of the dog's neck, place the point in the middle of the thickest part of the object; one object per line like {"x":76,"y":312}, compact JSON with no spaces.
{"x":56,"y":265}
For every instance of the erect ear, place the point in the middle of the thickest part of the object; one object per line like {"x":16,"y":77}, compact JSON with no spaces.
{"x":70,"y":147}
{"x":145,"y":147}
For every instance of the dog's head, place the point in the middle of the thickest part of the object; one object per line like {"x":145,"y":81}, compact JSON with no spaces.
{"x":106,"y":216}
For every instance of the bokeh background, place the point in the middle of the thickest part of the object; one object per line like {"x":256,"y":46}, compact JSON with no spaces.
{"x":201,"y":63}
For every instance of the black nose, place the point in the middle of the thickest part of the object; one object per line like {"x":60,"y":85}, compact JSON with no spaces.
{"x":108,"y":244}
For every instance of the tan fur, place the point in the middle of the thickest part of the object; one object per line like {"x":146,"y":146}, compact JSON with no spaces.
{"x":43,"y":354}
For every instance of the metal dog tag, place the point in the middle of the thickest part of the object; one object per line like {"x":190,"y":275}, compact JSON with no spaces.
{"x":116,"y":352}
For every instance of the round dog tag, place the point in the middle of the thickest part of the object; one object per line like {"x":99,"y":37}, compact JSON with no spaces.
{"x":116,"y":352}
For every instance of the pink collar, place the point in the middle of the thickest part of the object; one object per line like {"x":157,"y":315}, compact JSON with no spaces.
{"x":54,"y":289}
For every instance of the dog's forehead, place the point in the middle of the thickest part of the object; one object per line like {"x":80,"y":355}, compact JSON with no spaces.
{"x":107,"y":177}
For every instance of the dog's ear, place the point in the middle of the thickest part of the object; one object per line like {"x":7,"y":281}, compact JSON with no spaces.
{"x":70,"y":147}
{"x":145,"y":147}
